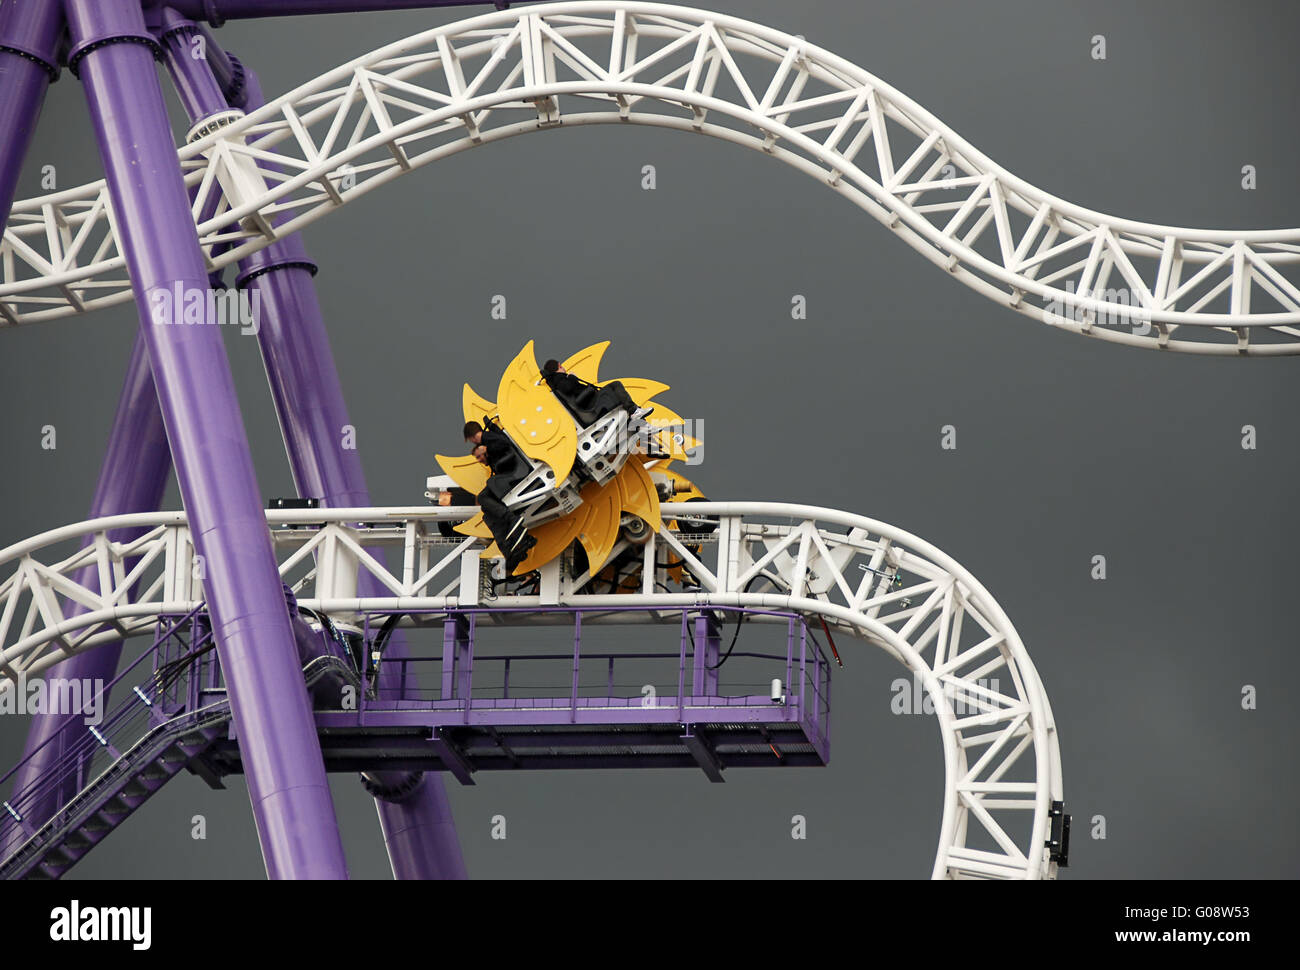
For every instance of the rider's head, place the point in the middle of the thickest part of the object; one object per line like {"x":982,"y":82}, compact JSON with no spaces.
{"x":552,"y":366}
{"x":473,"y":431}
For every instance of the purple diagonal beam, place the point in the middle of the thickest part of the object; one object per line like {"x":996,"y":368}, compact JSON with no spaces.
{"x":131,"y":479}
{"x":113,"y":55}
{"x":29,"y":39}
{"x":137,"y":461}
{"x":414,"y":811}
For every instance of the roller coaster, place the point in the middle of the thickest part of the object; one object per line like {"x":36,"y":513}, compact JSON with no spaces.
{"x":578,"y":470}
{"x":277,"y":637}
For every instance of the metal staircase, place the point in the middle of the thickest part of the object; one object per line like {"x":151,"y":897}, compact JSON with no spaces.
{"x":166,"y":724}
{"x":102,"y":806}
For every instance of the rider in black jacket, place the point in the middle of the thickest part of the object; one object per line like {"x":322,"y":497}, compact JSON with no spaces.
{"x":495,"y":449}
{"x":589,"y":402}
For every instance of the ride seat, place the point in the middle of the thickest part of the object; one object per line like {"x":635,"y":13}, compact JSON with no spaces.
{"x":583,"y":406}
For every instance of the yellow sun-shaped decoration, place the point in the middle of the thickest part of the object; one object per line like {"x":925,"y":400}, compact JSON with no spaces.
{"x":545,"y":432}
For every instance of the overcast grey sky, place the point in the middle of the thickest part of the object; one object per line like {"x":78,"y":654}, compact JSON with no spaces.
{"x":1068,"y":448}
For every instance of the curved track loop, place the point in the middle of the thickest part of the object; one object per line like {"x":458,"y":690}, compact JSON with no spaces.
{"x":490,"y":77}
{"x":864,"y":578}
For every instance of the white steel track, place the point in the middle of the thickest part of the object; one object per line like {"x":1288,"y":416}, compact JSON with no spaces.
{"x":865,"y":578}
{"x":487,"y":78}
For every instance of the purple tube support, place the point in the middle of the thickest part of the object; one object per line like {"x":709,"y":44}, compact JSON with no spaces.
{"x":414,"y":811}
{"x":113,"y":55}
{"x":413,"y":808}
{"x":29,"y":40}
{"x":137,"y":461}
{"x":132,"y":479}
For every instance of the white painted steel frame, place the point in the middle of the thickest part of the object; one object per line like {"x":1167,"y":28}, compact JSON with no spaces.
{"x":1001,"y":758}
{"x":480,"y":80}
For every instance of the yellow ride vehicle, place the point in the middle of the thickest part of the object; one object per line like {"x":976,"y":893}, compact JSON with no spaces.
{"x":583,"y":468}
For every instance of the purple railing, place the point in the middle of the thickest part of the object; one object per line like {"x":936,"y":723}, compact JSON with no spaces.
{"x":467,"y":680}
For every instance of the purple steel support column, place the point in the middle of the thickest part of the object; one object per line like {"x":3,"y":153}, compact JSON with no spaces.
{"x":455,"y":640}
{"x":113,"y":55}
{"x":29,"y":40}
{"x":419,"y":832}
{"x":131,"y":479}
{"x":413,"y":808}
{"x":707,"y":647}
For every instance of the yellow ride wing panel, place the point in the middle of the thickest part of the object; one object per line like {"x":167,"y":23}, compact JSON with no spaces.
{"x":534,"y":419}
{"x":476,"y":406}
{"x":585,"y":364}
{"x":475,"y":527}
{"x":664,"y":416}
{"x":552,"y":539}
{"x":600,"y":526}
{"x":637,"y":493}
{"x":640,"y":389}
{"x":465,"y":470}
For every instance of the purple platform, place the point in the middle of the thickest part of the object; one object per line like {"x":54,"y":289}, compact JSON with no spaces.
{"x":451,"y":709}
